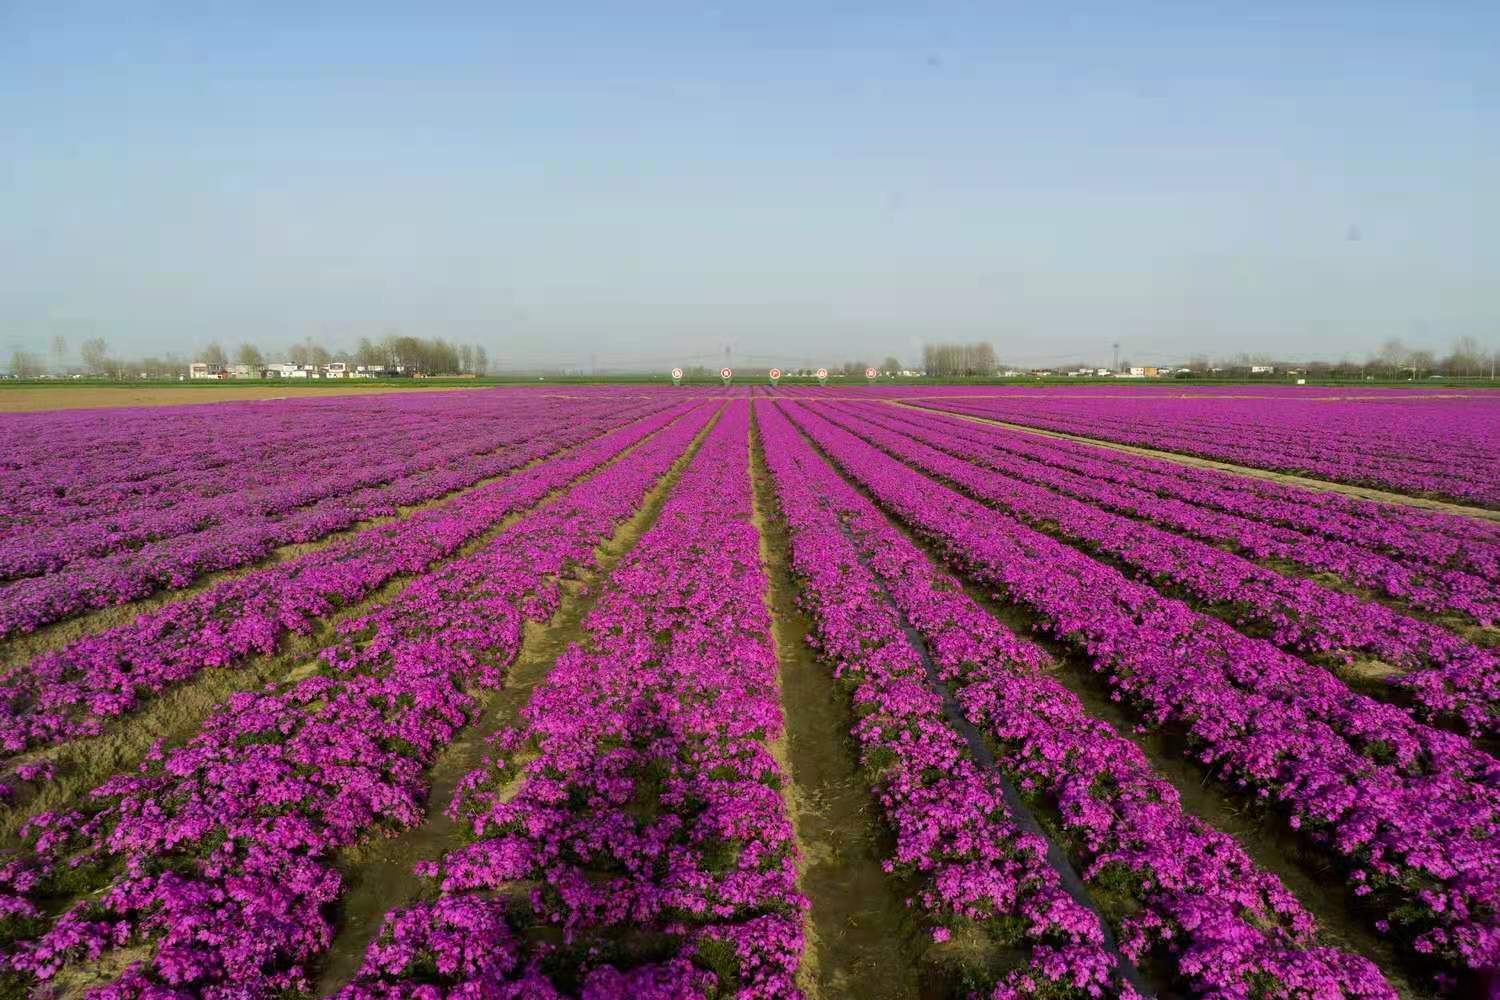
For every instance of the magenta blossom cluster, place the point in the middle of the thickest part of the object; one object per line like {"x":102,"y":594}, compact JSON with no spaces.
{"x":1445,"y":673}
{"x":71,"y":692}
{"x":1406,"y":442}
{"x":237,"y":525}
{"x":634,"y":817}
{"x":1215,"y":923}
{"x":218,"y":856}
{"x":1412,"y":813}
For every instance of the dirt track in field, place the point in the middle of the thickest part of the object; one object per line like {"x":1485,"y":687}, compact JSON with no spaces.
{"x":1306,"y":482}
{"x":38,"y":398}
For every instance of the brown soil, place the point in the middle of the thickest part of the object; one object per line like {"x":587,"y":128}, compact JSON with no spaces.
{"x":861,"y":939}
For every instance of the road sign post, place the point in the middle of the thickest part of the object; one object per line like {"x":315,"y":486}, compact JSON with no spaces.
{"x":775,"y":375}
{"x":822,"y":376}
{"x":726,"y":374}
{"x":870,"y":375}
{"x":676,"y":376}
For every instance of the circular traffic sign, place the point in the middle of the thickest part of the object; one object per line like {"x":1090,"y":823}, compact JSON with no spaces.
{"x":726,"y":373}
{"x":677,"y":373}
{"x":776,"y":373}
{"x":869,"y":373}
{"x":822,"y":373}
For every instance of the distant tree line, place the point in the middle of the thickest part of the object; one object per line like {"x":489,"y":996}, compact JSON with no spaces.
{"x":958,"y":359}
{"x":410,"y":355}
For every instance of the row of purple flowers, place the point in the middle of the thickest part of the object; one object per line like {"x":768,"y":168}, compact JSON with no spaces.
{"x":100,"y":562}
{"x":1410,"y":812}
{"x":1410,"y":444}
{"x":630,"y":838}
{"x":1396,"y":551}
{"x":1200,"y":914}
{"x":1445,"y":674}
{"x":71,"y":692}
{"x":217,"y":859}
{"x":978,"y":878}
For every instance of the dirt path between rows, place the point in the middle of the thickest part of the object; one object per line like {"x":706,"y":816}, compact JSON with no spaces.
{"x":861,"y":939}
{"x":379,"y":872}
{"x":1306,"y":482}
{"x":178,"y":712}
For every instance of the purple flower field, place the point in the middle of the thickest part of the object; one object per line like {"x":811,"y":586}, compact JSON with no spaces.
{"x":485,"y":693}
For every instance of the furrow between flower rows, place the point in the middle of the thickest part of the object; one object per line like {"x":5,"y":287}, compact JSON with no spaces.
{"x":1411,"y":813}
{"x":71,"y":692}
{"x":1444,"y":673}
{"x":216,"y":859}
{"x":1199,"y":911}
{"x":1426,"y":569}
{"x":983,"y":883}
{"x":630,"y":837}
{"x":1404,"y":445}
{"x":242,"y":526}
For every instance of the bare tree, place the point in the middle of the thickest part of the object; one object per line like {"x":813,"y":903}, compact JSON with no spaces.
{"x":1419,"y":362}
{"x":465,"y":358}
{"x":95,"y":355}
{"x":1392,"y":356}
{"x":368,"y":354}
{"x":59,"y":353}
{"x":958,"y":359}
{"x":24,"y":364}
{"x":1466,"y":359}
{"x":213,"y":354}
{"x":481,"y":360}
{"x":308,"y":353}
{"x":891,"y":364}
{"x":249,"y":354}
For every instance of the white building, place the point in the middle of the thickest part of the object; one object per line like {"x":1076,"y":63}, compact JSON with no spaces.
{"x":1262,"y":369}
{"x":202,"y":369}
{"x":336,"y":369}
{"x":280,"y":370}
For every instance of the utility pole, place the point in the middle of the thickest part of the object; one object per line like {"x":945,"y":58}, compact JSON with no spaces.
{"x":1117,"y":357}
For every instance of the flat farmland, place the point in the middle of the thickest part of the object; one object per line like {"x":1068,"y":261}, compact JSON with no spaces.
{"x":642,"y":691}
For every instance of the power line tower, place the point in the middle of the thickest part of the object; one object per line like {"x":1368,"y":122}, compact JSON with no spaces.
{"x":1117,"y":357}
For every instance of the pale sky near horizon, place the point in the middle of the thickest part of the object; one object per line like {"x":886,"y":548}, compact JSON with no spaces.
{"x":650,"y":182}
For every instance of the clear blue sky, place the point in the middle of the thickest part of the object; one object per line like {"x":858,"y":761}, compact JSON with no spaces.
{"x":653,"y":180}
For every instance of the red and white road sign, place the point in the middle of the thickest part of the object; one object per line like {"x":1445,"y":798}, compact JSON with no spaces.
{"x":822,"y":373}
{"x":726,"y":373}
{"x":775,"y":374}
{"x":677,"y":373}
{"x":869,"y":373}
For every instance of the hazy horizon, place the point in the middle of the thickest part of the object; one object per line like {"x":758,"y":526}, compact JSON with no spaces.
{"x":590,"y":186}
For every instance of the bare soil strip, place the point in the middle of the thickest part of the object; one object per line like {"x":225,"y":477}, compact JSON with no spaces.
{"x":378,"y":874}
{"x":1362,"y":492}
{"x":175,"y":715}
{"x":861,"y":940}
